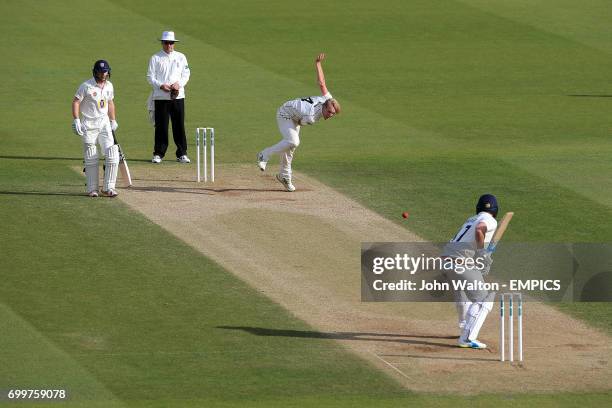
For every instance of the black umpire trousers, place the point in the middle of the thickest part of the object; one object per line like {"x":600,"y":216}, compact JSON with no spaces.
{"x":166,"y":110}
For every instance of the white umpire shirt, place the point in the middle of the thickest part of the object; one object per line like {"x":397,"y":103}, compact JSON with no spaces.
{"x":304,"y":111}
{"x":94,"y":99}
{"x":168,"y":69}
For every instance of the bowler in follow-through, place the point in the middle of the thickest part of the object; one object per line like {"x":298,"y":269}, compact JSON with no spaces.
{"x":290,"y":116}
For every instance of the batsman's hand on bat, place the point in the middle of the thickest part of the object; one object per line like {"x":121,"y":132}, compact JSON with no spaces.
{"x":114,"y":125}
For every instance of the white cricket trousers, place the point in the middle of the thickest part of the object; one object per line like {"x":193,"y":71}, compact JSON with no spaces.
{"x":98,"y":131}
{"x":286,"y":147}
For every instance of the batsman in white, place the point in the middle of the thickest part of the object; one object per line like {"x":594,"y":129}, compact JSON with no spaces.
{"x":93,"y":113}
{"x":471,"y":241}
{"x":290,"y":116}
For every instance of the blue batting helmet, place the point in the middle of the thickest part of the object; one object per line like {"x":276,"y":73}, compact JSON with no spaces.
{"x":101,"y":66}
{"x":488,"y":203}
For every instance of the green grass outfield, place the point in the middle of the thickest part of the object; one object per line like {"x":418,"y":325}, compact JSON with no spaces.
{"x":442,"y":101}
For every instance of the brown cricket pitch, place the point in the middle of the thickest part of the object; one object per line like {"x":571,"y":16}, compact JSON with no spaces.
{"x":304,"y":254}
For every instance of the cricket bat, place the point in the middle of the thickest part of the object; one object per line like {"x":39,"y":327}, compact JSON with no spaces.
{"x":499,"y":232}
{"x":123,"y":166}
{"x":124,"y":169}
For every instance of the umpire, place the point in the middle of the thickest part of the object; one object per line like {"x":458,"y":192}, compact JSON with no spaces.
{"x":168,"y":74}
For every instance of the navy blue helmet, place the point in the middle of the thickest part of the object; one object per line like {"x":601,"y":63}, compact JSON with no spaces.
{"x":101,"y":66}
{"x":488,"y":203}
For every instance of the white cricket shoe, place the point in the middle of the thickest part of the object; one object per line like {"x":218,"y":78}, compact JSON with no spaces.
{"x":183,"y":159}
{"x":93,"y":194}
{"x":261,"y":163}
{"x":475,"y":344}
{"x":110,"y":193}
{"x":156,"y":159}
{"x":285,"y":181}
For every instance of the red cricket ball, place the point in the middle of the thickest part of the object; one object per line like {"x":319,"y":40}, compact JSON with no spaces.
{"x":405,"y":214}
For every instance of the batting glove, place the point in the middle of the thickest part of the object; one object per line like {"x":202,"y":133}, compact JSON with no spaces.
{"x":114,"y":125}
{"x":485,"y":258}
{"x":77,"y":127}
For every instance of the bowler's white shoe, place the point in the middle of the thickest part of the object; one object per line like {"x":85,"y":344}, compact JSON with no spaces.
{"x":156,"y":159}
{"x":183,"y":159}
{"x":93,"y":194}
{"x":285,"y":181}
{"x":261,"y":163}
{"x":475,"y":344}
{"x":110,"y":193}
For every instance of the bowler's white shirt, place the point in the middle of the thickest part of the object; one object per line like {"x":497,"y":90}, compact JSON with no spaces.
{"x":168,"y":69}
{"x":304,"y":111}
{"x":94,"y":98}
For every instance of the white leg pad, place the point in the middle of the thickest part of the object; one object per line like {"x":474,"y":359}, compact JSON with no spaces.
{"x":462,"y":308}
{"x":90,"y":153}
{"x":112,"y":165}
{"x":476,"y":315}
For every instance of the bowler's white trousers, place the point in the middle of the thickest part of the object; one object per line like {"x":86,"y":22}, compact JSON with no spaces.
{"x":286,"y":147}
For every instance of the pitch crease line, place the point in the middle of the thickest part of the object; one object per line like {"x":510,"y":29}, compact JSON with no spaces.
{"x":390,"y":365}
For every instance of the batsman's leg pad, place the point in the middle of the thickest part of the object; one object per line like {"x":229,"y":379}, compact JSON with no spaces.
{"x":462,"y":309}
{"x":112,"y":165}
{"x":476,"y":316}
{"x":90,"y":153}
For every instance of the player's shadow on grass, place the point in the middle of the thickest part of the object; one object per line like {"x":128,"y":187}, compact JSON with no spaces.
{"x":590,"y":96}
{"x":202,"y":190}
{"x":41,"y":158}
{"x":41,"y":193}
{"x":357,"y":336}
{"x":131,"y":159}
{"x":62,"y":158}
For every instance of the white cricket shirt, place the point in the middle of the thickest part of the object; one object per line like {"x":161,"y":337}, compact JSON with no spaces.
{"x":304,"y":111}
{"x":465,"y":238}
{"x":94,"y":98}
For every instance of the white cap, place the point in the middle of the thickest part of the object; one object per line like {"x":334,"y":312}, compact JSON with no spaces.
{"x":168,"y":36}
